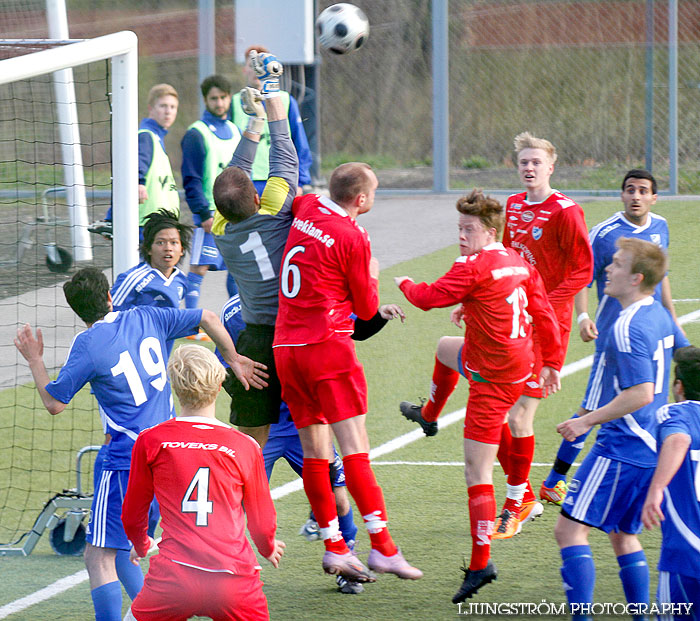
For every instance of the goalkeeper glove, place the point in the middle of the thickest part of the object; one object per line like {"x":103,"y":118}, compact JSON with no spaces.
{"x":251,"y":102}
{"x":268,"y":70}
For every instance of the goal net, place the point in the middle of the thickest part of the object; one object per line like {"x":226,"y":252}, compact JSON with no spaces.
{"x":61,"y":104}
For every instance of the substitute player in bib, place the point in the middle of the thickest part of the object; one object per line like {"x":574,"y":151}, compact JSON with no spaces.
{"x":548,"y":229}
{"x":250,"y":232}
{"x":203,"y":474}
{"x":673,"y":500}
{"x":157,"y":188}
{"x":609,"y":488}
{"x":635,"y":221}
{"x":327,"y":275}
{"x":494,"y":286}
{"x":207,"y":148}
{"x":123,"y":356}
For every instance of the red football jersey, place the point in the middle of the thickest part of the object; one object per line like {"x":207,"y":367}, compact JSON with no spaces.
{"x":500,"y":294}
{"x":552,"y":236}
{"x":203,"y":473}
{"x":325,"y":274}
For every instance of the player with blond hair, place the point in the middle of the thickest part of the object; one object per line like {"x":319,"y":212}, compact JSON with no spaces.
{"x":548,"y":229}
{"x":203,"y":474}
{"x":493,"y":287}
{"x":157,"y":188}
{"x":609,"y":488}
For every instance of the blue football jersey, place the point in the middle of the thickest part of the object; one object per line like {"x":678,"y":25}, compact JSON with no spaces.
{"x":680,"y":546}
{"x":124,"y":358}
{"x":603,"y":237}
{"x":144,"y":285}
{"x":638,"y":349}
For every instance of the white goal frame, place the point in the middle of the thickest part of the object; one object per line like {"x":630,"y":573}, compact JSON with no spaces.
{"x":121,"y":49}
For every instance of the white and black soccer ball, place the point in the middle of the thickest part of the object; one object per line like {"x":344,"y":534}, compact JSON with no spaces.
{"x":342,"y":28}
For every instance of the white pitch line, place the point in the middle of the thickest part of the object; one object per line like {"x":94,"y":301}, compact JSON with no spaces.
{"x":48,"y":592}
{"x":293,"y":486}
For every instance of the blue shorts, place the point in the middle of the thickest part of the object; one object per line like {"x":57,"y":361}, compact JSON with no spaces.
{"x":608,"y":494}
{"x":105,"y":529}
{"x":679,"y":589}
{"x":204,"y":251}
{"x":289,"y":447}
{"x":591,"y":399}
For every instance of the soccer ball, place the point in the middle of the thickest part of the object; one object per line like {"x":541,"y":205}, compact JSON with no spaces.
{"x":342,"y":28}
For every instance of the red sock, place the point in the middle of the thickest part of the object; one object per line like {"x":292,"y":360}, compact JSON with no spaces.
{"x":529,"y":494}
{"x":365,"y":490}
{"x":482,"y":509}
{"x":504,"y":448}
{"x":442,"y":386}
{"x":522,"y":451}
{"x":317,"y":485}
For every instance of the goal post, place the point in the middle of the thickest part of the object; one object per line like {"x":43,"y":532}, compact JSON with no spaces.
{"x":121,"y":49}
{"x":35,"y":99}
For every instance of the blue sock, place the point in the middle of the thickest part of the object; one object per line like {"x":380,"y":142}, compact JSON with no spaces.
{"x":634,"y":573}
{"x":566,"y":455}
{"x":347,"y":526}
{"x":231,"y":286}
{"x":107,"y":600}
{"x":194,"y":284}
{"x":578,"y":574}
{"x":130,"y":575}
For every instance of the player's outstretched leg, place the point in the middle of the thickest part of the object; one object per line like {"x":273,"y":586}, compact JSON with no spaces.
{"x":442,"y":386}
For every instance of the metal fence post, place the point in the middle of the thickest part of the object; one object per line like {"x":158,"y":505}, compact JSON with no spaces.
{"x":441,"y":86}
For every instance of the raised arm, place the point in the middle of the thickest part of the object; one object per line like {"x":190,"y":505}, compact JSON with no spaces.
{"x":32,"y":349}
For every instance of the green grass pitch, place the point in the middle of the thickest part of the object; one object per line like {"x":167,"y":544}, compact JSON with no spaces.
{"x":423,"y":482}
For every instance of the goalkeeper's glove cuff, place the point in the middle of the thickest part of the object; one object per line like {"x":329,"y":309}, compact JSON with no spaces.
{"x":255,"y":125}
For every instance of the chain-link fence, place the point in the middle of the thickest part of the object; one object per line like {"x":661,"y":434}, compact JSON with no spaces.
{"x":592,"y":76}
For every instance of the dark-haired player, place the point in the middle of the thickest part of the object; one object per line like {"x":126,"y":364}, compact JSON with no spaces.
{"x":250,"y":232}
{"x":674,"y":495}
{"x":207,"y":148}
{"x":635,"y":221}
{"x":497,"y":292}
{"x":122,"y":354}
{"x":157,"y":280}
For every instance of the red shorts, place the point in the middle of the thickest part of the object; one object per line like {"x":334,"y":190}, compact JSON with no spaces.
{"x":322,"y":383}
{"x":172,"y":591}
{"x":487,"y":408}
{"x":531,"y":388}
